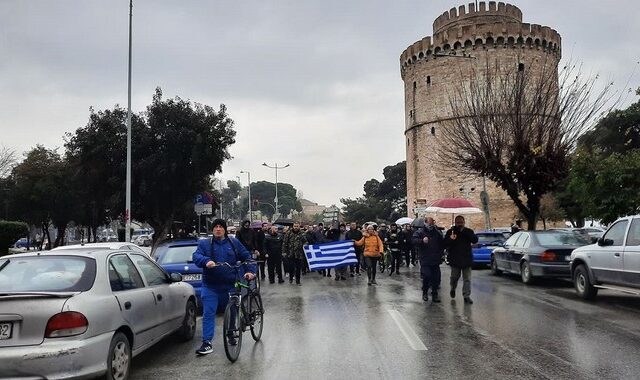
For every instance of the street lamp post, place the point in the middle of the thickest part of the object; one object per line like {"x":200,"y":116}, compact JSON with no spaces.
{"x":276,"y":167}
{"x":249,"y":190}
{"x":127,"y":211}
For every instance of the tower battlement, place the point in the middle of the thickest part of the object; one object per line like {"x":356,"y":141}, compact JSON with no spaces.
{"x":467,"y":14}
{"x":460,"y":39}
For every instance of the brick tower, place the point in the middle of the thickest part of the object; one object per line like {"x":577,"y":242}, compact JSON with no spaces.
{"x":464,"y":40}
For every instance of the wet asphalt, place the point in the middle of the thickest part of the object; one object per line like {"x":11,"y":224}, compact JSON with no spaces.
{"x":347,"y":330}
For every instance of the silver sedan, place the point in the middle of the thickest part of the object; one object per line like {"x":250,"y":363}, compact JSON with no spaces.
{"x":75,"y":314}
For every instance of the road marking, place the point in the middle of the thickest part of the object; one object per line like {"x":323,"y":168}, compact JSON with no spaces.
{"x":410,"y":335}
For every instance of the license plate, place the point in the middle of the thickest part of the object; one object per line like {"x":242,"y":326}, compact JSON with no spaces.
{"x":5,"y":330}
{"x":192,"y":277}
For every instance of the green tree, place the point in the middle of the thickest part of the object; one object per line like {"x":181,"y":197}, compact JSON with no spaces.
{"x":182,"y":146}
{"x":606,"y":188}
{"x":44,"y":192}
{"x":384,"y":200}
{"x":264,"y":192}
{"x":96,"y":154}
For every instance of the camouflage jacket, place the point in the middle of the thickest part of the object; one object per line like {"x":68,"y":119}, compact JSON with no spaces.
{"x":293,"y":243}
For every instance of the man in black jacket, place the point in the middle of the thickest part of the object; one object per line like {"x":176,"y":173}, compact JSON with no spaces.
{"x":429,"y":243}
{"x":458,"y":241}
{"x":355,"y":234}
{"x":394,"y":242}
{"x":259,"y":244}
{"x":272,"y":250}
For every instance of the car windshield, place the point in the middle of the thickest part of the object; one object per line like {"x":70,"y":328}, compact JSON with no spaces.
{"x":490,"y":238}
{"x":47,"y":274}
{"x":560,"y":238}
{"x":179,"y":254}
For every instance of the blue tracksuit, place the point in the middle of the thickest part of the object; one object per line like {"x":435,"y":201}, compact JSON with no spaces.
{"x":218,"y":281}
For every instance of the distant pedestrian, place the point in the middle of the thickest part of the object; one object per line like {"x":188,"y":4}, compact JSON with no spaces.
{"x":458,"y":241}
{"x":292,"y":248}
{"x":394,"y":243}
{"x":259,"y":243}
{"x":338,"y":234}
{"x":430,"y":246}
{"x":247,"y":237}
{"x":355,"y":234}
{"x":272,"y":249}
{"x":320,"y":237}
{"x":373,"y":248}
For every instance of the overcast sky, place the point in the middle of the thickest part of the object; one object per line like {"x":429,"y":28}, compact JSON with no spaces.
{"x":315,"y":84}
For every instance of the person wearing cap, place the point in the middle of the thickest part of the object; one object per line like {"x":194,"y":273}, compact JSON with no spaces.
{"x":217,"y":280}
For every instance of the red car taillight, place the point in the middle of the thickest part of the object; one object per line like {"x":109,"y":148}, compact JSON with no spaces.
{"x":64,"y":324}
{"x":548,"y":256}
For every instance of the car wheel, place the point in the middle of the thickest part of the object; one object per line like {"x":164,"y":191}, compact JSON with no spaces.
{"x":188,"y":328}
{"x":525,"y":272}
{"x":119,"y":359}
{"x":583,"y":285}
{"x":494,"y":267}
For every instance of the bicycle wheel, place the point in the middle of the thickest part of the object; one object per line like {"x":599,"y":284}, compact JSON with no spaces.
{"x":232,"y":330}
{"x":257,"y":316}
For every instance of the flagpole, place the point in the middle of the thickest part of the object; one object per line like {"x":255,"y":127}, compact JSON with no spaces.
{"x":127,"y":212}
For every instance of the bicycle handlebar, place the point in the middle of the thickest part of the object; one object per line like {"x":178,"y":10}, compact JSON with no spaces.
{"x":243,"y":263}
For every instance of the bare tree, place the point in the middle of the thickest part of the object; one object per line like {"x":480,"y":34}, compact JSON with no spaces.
{"x":7,"y":161}
{"x":519,"y":127}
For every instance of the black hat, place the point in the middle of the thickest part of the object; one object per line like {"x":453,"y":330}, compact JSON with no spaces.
{"x":219,"y":222}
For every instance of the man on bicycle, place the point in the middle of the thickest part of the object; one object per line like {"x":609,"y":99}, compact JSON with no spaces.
{"x":217,"y":281}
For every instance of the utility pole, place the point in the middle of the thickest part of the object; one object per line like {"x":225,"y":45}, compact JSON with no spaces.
{"x":249,"y":192}
{"x":127,"y":211}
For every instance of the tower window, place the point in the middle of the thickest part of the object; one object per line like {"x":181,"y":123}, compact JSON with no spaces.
{"x":408,"y":143}
{"x":520,"y":66}
{"x":428,"y":80}
{"x":415,"y":85}
{"x":433,"y":131}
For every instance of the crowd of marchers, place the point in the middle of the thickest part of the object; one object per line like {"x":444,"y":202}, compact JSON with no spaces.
{"x":280,"y":252}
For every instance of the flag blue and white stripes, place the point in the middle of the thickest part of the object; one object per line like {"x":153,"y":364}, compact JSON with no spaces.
{"x":330,"y":255}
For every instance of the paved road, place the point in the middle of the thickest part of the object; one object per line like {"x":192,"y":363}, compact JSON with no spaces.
{"x":346,"y":330}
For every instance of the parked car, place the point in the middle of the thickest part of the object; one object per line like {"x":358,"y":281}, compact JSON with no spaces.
{"x":21,"y":243}
{"x":82,"y":313}
{"x":105,"y":246}
{"x":590,"y":233}
{"x":534,"y":254}
{"x":176,"y":256}
{"x":143,"y":240}
{"x":612,"y":263}
{"x":487,"y":242}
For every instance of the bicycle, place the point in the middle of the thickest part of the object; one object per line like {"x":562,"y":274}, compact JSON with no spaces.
{"x":242,"y":312}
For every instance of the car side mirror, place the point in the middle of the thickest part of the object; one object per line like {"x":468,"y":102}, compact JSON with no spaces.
{"x":604,"y":242}
{"x":175,"y":277}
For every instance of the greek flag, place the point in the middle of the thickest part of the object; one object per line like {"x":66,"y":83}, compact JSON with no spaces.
{"x":330,"y":255}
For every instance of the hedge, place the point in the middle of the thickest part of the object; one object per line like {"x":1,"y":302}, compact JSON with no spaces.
{"x":10,"y":231}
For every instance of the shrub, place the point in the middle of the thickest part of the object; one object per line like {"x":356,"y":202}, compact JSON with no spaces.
{"x":10,"y":231}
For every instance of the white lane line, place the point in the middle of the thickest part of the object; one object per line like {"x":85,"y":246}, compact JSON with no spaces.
{"x":410,"y":335}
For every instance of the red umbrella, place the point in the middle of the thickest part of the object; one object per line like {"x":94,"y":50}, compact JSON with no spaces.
{"x":453,"y":206}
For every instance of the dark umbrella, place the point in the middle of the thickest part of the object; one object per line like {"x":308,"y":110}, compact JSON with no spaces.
{"x":418,"y":222}
{"x":284,"y":222}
